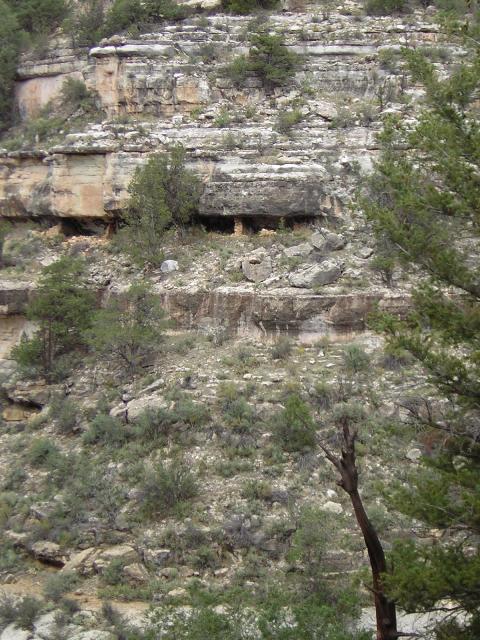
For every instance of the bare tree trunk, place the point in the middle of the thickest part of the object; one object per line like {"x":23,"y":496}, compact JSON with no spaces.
{"x":346,"y":466}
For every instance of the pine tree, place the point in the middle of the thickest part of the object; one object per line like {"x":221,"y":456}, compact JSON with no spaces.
{"x":61,"y":308}
{"x":424,"y":198}
{"x":129,"y":328}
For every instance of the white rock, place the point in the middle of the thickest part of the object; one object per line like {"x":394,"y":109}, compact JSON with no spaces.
{"x":414,"y":455}
{"x":93,"y":634}
{"x":14,"y":633}
{"x":168,"y":266}
{"x":332,"y":507}
{"x":44,"y":627}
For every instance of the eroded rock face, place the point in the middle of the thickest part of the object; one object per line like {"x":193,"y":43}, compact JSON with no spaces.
{"x":247,"y":167}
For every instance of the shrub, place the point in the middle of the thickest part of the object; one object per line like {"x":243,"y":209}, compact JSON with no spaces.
{"x":281,"y":349}
{"x":166,"y":486}
{"x":86,"y":27}
{"x":190,"y":413}
{"x":76,"y":95}
{"x":65,"y":413}
{"x":124,"y":14}
{"x":135,"y":15}
{"x":294,"y":426}
{"x":239,"y":416}
{"x":163,"y":194}
{"x":287,"y":120}
{"x":8,"y":610}
{"x":238,"y":70}
{"x":130,"y":327}
{"x":269,"y":59}
{"x":154,"y":426}
{"x":106,"y":430}
{"x":28,"y":610}
{"x":244,"y":7}
{"x":58,"y":584}
{"x":349,"y":412}
{"x":355,"y":360}
{"x":62,"y":310}
{"x":257,"y":490}
{"x":386,"y":7}
{"x":43,"y":127}
{"x":42,"y":452}
{"x":324,"y":395}
{"x":385,"y":266}
{"x":40,"y":16}
{"x":113,"y":573}
{"x":309,"y":547}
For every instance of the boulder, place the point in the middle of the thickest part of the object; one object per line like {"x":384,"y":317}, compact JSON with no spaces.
{"x":328,"y":241}
{"x":35,"y":392}
{"x":14,"y":633}
{"x":82,"y":562}
{"x":123,"y":552}
{"x":168,"y":266}
{"x":48,"y":552}
{"x":136,"y":572}
{"x":45,"y":626}
{"x":257,"y":269}
{"x":303,"y":250}
{"x":317,"y":275}
{"x":158,"y":557}
{"x":138,"y":405}
{"x":364,"y":252}
{"x":93,"y":634}
{"x":414,"y":455}
{"x":15,"y":413}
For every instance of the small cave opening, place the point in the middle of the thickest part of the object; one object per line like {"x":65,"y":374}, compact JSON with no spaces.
{"x":251,"y":225}
{"x":217,"y":224}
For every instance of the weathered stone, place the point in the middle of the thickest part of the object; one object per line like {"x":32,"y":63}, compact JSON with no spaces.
{"x":364,"y":252}
{"x":136,"y":572}
{"x":158,"y":557}
{"x":328,"y":241}
{"x":15,"y":413}
{"x":122,"y":552}
{"x":93,"y":634}
{"x":177,"y":593}
{"x":168,"y":266}
{"x":302,"y":250}
{"x":44,"y":627}
{"x":414,"y":454}
{"x":48,"y":552}
{"x":12,"y":632}
{"x":257,"y":269}
{"x":29,"y":392}
{"x":138,"y":405}
{"x":317,"y":275}
{"x":82,"y":562}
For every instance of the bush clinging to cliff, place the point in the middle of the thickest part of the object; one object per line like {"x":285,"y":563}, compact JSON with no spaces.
{"x":163,"y":194}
